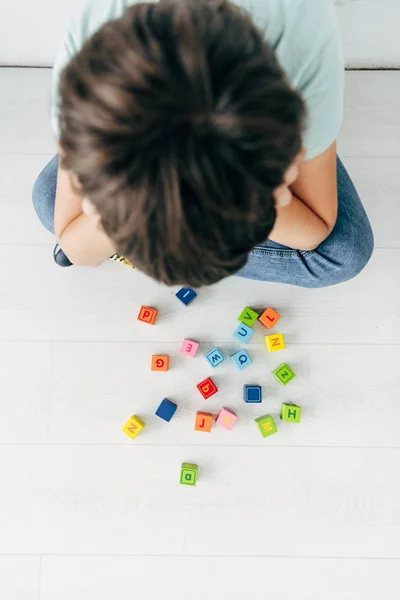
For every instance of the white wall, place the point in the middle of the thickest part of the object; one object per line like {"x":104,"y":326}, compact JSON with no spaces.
{"x":30,"y":31}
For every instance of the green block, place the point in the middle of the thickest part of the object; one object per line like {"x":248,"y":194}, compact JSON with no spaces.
{"x":248,"y":316}
{"x":189,"y":474}
{"x":283,"y":374}
{"x":291,"y":413}
{"x":266,"y":425}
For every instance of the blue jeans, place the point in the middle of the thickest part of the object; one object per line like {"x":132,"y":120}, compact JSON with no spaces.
{"x":340,"y":257}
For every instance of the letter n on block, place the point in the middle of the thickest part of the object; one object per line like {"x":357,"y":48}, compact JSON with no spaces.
{"x":133,"y":427}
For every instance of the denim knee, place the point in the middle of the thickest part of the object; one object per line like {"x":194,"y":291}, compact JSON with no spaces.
{"x":44,"y":194}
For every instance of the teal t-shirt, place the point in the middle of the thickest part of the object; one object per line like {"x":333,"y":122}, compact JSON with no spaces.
{"x":304,"y":34}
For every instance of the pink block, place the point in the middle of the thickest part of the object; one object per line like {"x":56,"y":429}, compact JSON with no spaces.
{"x":189,"y":347}
{"x":226,"y":419}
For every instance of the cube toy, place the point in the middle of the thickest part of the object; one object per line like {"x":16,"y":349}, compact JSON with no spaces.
{"x":248,"y":316}
{"x":290,"y":413}
{"x":226,"y":419}
{"x":241,"y":359}
{"x":166,"y":410}
{"x":252,"y":393}
{"x":207,"y":388}
{"x":274,"y":342}
{"x":133,"y":427}
{"x":266,"y":425}
{"x":159,"y":362}
{"x":215,"y":357}
{"x":189,"y":474}
{"x":243,"y":333}
{"x":186,"y":295}
{"x":269,"y":318}
{"x":283,"y":374}
{"x":189,"y":347}
{"x":147,"y":315}
{"x":203,"y":421}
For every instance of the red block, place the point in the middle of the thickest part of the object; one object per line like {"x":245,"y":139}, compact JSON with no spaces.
{"x":207,"y":388}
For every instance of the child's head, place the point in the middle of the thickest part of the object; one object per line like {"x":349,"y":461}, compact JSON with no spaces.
{"x":179,"y":124}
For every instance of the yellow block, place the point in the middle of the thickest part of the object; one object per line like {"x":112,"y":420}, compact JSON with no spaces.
{"x":133,"y":427}
{"x":274,"y":342}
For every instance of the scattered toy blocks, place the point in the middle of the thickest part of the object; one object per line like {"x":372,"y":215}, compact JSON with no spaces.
{"x":186,"y":295}
{"x":207,"y":388}
{"x":159,"y":362}
{"x":189,"y":347}
{"x":203,"y":421}
{"x":133,"y":427}
{"x":274,"y":342}
{"x":189,"y":474}
{"x":241,"y":359}
{"x":252,"y":393}
{"x":283,"y":374}
{"x":226,"y":419}
{"x":269,"y":318}
{"x":243,"y":333}
{"x":248,"y":316}
{"x":147,"y":315}
{"x":290,"y":413}
{"x":166,"y":410}
{"x":215,"y":357}
{"x":266,"y":425}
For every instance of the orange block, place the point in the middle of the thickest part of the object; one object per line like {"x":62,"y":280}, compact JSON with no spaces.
{"x":159,"y":362}
{"x":269,"y":318}
{"x":203,"y":421}
{"x":147,"y":315}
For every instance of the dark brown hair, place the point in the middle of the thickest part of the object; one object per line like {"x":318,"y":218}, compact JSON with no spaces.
{"x":179,"y":123}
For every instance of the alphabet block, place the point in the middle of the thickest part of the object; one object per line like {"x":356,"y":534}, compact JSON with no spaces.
{"x":189,"y":347}
{"x":283,"y":374}
{"x":252,"y":393}
{"x":203,"y":421}
{"x":269,"y":318}
{"x":147,"y":315}
{"x":207,"y":388}
{"x":166,"y":410}
{"x":215,"y":357}
{"x":266,"y":425}
{"x":186,"y":295}
{"x":226,"y":419}
{"x":248,"y":316}
{"x":159,"y":362}
{"x":243,"y":333}
{"x":133,"y":427}
{"x":274,"y":342}
{"x":290,"y":413}
{"x":241,"y":359}
{"x":189,"y":474}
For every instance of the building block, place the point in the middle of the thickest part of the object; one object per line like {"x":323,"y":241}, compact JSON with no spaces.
{"x":252,"y":393}
{"x":226,"y":419}
{"x":215,"y":357}
{"x":269,"y":318}
{"x":147,"y":315}
{"x":241,"y":359}
{"x":207,"y":388}
{"x":203,"y":421}
{"x":248,"y":316}
{"x":290,"y":413}
{"x":186,"y":295}
{"x":266,"y":425}
{"x":243,"y":333}
{"x":189,"y":474}
{"x":166,"y":410}
{"x":274,"y":342}
{"x":159,"y":362}
{"x":283,"y":374}
{"x":133,"y":427}
{"x":189,"y":347}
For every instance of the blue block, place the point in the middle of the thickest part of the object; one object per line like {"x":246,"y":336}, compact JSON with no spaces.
{"x":215,"y":357}
{"x":252,"y":393}
{"x":241,"y":359}
{"x":243,"y":333}
{"x":186,"y":295}
{"x":166,"y":410}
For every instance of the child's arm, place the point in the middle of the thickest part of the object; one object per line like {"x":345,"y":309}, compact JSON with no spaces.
{"x":311,"y":215}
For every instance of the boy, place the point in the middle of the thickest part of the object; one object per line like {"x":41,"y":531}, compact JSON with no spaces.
{"x":197,"y":138}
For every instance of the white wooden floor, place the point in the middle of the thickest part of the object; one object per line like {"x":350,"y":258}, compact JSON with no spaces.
{"x":312,"y":513}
